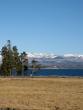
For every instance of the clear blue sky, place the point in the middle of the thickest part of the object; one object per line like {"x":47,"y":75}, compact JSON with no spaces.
{"x":43,"y":25}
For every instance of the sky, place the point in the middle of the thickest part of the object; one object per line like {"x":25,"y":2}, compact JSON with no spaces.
{"x":51,"y":26}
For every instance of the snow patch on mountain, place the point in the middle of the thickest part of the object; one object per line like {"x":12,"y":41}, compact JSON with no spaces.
{"x":52,"y":55}
{"x":73,"y":55}
{"x":41,"y":55}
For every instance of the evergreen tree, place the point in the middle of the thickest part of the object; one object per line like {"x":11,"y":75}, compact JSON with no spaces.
{"x":10,"y":59}
{"x":16,"y":60}
{"x":6,"y":66}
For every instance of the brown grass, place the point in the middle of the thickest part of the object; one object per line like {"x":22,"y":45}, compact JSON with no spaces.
{"x":42,"y":93}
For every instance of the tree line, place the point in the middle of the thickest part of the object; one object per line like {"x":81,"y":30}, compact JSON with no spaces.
{"x":13,"y":60}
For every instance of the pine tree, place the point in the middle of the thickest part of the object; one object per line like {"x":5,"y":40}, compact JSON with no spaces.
{"x":16,"y":60}
{"x":6,"y":61}
{"x":10,"y":59}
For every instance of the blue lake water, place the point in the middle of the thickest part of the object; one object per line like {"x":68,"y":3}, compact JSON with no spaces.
{"x":57,"y":72}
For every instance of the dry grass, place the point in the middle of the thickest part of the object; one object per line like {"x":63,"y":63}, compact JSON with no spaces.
{"x":42,"y":93}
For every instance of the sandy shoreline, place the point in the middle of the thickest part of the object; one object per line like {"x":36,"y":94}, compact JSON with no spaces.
{"x":42,"y":93}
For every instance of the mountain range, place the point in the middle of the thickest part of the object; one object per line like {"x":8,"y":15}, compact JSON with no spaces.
{"x":51,"y":55}
{"x":50,"y":60}
{"x":67,"y":61}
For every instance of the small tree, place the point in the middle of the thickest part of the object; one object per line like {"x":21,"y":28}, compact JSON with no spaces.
{"x":35,"y":66}
{"x":24,"y":60}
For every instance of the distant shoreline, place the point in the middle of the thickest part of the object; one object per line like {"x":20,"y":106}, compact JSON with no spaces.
{"x":60,"y":68}
{"x":24,"y":77}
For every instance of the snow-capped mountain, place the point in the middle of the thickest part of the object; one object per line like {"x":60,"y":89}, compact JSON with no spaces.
{"x":66,"y":61}
{"x":52,"y":55}
{"x":51,"y":60}
{"x":73,"y":55}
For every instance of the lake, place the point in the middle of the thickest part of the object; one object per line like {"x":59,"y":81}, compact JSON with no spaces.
{"x":56,"y":72}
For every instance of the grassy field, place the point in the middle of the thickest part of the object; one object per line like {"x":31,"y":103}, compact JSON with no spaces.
{"x":42,"y":93}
